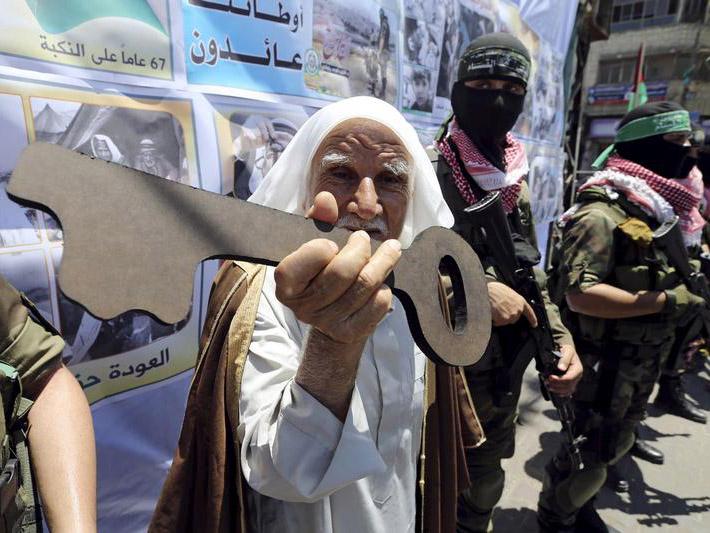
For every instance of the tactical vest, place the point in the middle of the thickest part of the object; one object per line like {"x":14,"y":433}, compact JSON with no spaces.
{"x":508,"y":341}
{"x":639,"y":265}
{"x":19,"y":505}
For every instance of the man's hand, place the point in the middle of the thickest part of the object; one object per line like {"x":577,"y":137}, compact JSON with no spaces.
{"x":339,"y":292}
{"x":570,"y":364}
{"x":683,"y":305}
{"x":507,"y":305}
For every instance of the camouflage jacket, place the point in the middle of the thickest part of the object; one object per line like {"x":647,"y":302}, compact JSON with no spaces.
{"x":29,"y":350}
{"x":526,"y":228}
{"x":610,"y":240}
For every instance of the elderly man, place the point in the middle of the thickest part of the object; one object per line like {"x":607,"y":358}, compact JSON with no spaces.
{"x":328,"y":408}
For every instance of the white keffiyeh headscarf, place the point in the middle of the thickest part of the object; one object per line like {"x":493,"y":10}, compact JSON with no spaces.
{"x":286,"y":186}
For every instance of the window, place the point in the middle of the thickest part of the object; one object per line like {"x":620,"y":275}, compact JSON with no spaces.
{"x":659,"y":67}
{"x":616,"y":71}
{"x":626,"y":12}
{"x":702,"y":72}
{"x":632,"y":14}
{"x":694,"y":10}
{"x":683,"y":64}
{"x":650,"y":10}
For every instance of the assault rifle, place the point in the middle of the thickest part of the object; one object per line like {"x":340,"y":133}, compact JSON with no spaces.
{"x":669,"y":240}
{"x":490,"y":232}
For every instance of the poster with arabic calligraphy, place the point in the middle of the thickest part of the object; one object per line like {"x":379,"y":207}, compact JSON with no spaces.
{"x":258,"y":45}
{"x":151,"y":134}
{"x":355,"y":50}
{"x":155,"y":83}
{"x":130,"y":37}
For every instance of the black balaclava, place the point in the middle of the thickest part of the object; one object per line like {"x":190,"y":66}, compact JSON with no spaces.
{"x":486,"y":115}
{"x":665,"y":158}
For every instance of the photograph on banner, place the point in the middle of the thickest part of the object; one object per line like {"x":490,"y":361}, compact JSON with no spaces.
{"x":251,"y":136}
{"x":545,"y":181}
{"x":153,"y":134}
{"x":546,"y":90}
{"x":464,"y":20}
{"x":28,"y":272}
{"x":88,"y":338}
{"x":423,"y":30}
{"x":18,"y":225}
{"x":125,"y":352}
{"x":427,"y":134}
{"x":131,"y":37}
{"x":355,"y":50}
{"x":151,"y":141}
{"x":260,"y":46}
{"x":509,"y":20}
{"x":417,"y":88}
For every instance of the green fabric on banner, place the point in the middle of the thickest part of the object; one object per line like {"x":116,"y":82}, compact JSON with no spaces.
{"x":58,"y":17}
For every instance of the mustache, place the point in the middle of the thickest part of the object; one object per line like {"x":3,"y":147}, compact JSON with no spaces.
{"x":354,"y":222}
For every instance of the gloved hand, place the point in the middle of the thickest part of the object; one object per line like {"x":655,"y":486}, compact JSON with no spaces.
{"x":682,"y":305}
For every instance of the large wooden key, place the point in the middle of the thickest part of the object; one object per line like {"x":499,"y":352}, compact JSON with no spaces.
{"x":132,"y":241}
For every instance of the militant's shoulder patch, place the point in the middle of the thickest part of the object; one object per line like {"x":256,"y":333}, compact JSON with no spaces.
{"x":637,"y":230}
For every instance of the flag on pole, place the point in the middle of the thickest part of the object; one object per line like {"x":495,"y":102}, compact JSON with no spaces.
{"x":638,"y":95}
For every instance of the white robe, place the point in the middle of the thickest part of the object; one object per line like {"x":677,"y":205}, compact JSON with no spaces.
{"x":312,"y":472}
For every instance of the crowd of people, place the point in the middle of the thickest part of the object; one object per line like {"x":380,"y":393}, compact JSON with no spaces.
{"x":314,"y":410}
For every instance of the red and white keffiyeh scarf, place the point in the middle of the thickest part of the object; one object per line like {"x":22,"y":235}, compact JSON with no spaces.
{"x":660,"y":197}
{"x":486,"y":175}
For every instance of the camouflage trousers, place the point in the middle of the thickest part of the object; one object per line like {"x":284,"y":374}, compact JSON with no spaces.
{"x":484,"y":463}
{"x":609,"y":403}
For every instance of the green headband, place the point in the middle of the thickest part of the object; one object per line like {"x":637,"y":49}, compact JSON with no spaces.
{"x":668,"y":122}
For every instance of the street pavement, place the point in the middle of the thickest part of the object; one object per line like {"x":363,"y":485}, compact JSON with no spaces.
{"x":674,"y":496}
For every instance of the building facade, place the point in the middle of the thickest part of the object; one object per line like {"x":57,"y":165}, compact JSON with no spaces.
{"x":676,"y":35}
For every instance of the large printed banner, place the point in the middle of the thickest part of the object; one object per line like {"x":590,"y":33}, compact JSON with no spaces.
{"x":209,"y":94}
{"x":127,"y":37}
{"x":249,"y":46}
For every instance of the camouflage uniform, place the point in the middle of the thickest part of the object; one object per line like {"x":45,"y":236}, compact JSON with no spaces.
{"x":609,"y":240}
{"x":488,"y":379}
{"x":29,"y":350}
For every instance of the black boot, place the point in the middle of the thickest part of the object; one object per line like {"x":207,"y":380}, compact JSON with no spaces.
{"x":589,"y":521}
{"x":615,"y":480}
{"x":671,"y":398}
{"x":549,"y":520}
{"x":643,"y":450}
